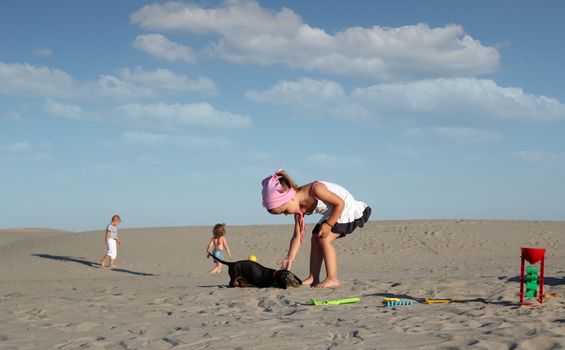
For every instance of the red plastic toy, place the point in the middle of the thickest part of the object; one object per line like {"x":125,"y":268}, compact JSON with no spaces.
{"x":532,"y":279}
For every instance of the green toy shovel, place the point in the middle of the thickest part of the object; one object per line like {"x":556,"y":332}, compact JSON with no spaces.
{"x":333,"y":302}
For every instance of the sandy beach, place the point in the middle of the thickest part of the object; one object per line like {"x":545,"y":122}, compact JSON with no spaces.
{"x":54,"y":295}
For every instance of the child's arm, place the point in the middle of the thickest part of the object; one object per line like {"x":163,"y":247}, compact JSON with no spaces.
{"x":322,"y":193}
{"x":227,"y":246}
{"x":118,"y":239}
{"x":106,"y":237}
{"x":210,"y":245}
{"x":287,"y":262}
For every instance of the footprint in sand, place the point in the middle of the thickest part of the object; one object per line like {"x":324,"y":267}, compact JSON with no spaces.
{"x":85,"y":326}
{"x":35,"y":313}
{"x":82,"y":342}
{"x":283,"y":300}
{"x":266,"y":304}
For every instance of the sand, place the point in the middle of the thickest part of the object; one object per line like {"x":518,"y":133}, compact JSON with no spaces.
{"x":53,"y":295}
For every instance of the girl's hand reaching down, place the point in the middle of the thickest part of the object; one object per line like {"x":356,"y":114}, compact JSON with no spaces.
{"x":286,"y":263}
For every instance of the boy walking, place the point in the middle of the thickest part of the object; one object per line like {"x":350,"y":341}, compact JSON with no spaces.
{"x":111,"y":241}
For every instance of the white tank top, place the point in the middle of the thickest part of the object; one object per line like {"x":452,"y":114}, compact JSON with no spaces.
{"x":353,"y":208}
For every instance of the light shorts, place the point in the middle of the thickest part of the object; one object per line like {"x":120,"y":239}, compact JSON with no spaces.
{"x":218,"y":253}
{"x":112,"y":248}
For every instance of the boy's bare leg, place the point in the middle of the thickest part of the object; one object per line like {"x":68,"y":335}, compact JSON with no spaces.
{"x":103,"y":262}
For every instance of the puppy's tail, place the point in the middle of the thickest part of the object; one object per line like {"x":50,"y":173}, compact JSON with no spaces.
{"x":220,"y":260}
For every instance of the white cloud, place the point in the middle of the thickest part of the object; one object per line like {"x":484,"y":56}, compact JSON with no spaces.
{"x":332,"y":161}
{"x":181,"y":115}
{"x":436,"y":100}
{"x":164,"y":79}
{"x":27,"y":80}
{"x":15,"y":116}
{"x":306,"y":95}
{"x":159,"y":115}
{"x":159,"y":46}
{"x":15,"y":147}
{"x":45,"y":52}
{"x":66,"y":110}
{"x":540,"y":157}
{"x":313,"y":98}
{"x":136,"y":84}
{"x":148,"y":139}
{"x":454,"y":134}
{"x":252,"y":34}
{"x":21,"y":151}
{"x":124,"y":85}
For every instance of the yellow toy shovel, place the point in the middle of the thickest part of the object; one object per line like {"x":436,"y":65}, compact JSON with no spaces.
{"x":434,"y":301}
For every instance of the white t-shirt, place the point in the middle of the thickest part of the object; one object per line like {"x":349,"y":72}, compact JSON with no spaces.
{"x":113,"y":231}
{"x":353,"y":208}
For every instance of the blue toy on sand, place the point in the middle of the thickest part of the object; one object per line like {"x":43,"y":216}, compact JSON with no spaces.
{"x":397,"y":302}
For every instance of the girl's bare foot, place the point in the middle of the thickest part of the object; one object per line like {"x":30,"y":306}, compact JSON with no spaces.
{"x":328,"y":283}
{"x":112,"y":266}
{"x":309,"y":281}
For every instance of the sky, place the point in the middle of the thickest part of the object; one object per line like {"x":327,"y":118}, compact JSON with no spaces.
{"x":171,"y":113}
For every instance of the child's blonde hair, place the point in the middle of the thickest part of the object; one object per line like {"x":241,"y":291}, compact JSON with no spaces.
{"x":219,"y":230}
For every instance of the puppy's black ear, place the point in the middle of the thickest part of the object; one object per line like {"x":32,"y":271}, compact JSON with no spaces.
{"x":282,"y":281}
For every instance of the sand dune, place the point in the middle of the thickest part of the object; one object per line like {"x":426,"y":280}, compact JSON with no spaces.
{"x":53,"y":295}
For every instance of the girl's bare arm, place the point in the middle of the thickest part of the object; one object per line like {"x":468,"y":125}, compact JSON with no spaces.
{"x":322,"y":193}
{"x":227,"y":246}
{"x":210,"y":245}
{"x":287,"y":262}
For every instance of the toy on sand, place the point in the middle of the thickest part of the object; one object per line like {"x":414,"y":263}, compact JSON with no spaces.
{"x":554,"y":295}
{"x":252,"y":258}
{"x":531,"y":278}
{"x":456,"y":301}
{"x":398,"y":303}
{"x":434,"y":301}
{"x":333,"y":302}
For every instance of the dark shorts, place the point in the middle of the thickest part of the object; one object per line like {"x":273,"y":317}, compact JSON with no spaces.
{"x":343,"y":229}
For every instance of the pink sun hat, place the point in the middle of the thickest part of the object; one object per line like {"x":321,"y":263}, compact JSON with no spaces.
{"x":274,"y":194}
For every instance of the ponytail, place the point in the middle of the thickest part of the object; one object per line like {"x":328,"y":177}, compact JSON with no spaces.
{"x":286,"y":181}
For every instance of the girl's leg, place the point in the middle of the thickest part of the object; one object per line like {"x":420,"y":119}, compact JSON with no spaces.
{"x":330,"y":260}
{"x":316,"y":258}
{"x":216,"y":267}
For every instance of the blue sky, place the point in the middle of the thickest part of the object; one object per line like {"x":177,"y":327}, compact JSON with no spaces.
{"x":171,"y":113}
